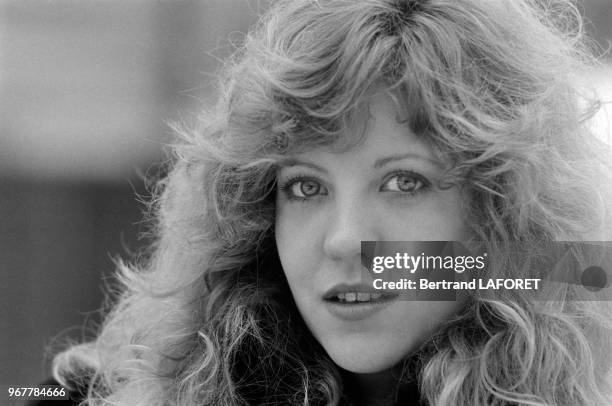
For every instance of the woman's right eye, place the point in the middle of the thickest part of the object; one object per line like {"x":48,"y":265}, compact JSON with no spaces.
{"x":303,"y":188}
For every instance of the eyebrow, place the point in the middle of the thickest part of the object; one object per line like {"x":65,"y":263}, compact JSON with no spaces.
{"x":293,"y":162}
{"x":398,"y":157}
{"x":379,"y":163}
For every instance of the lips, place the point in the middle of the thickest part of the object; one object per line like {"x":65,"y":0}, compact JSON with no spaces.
{"x":345,"y":293}
{"x":357,"y":303}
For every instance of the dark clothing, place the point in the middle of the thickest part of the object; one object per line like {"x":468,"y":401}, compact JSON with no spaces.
{"x":408,"y":396}
{"x":75,"y":397}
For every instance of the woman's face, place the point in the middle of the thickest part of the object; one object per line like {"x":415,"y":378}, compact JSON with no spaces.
{"x":328,"y":202}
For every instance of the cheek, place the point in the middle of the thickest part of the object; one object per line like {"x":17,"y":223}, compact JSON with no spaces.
{"x":296,"y":241}
{"x":446,"y":218}
{"x":438,"y":219}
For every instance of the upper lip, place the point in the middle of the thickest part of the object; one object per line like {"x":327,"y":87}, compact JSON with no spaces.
{"x":347,"y":288}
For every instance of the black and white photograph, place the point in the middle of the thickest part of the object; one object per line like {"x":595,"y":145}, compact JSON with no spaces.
{"x":306,"y":202}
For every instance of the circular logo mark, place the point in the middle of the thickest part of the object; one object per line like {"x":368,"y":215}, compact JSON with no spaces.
{"x":594,"y":278}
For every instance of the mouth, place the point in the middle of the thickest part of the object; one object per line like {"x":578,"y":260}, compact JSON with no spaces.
{"x":356,"y":303}
{"x":356,"y":294}
{"x":353,"y":297}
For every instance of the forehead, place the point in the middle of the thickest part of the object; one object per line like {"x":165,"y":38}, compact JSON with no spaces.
{"x":379,"y":131}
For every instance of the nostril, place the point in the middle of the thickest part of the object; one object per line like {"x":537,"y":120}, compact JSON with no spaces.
{"x":344,"y":247}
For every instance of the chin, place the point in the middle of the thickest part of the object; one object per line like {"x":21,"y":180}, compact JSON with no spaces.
{"x":364,"y":358}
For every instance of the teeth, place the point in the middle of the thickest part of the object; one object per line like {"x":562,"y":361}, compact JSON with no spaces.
{"x":363,"y":297}
{"x":350,"y":297}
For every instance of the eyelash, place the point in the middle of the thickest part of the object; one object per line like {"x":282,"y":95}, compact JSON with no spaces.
{"x":286,"y":186}
{"x":425,"y":184}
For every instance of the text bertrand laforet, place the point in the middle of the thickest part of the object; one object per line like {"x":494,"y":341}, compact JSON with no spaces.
{"x":458,"y":264}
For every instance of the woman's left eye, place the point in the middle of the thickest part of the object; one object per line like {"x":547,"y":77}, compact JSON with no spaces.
{"x":405,"y":182}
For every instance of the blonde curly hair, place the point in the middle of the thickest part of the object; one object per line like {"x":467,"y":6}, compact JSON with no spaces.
{"x":208,"y":319}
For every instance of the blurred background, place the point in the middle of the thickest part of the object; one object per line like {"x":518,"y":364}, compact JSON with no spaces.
{"x":87,"y":89}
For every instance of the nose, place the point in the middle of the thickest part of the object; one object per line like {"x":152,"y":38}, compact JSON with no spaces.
{"x":350,"y":222}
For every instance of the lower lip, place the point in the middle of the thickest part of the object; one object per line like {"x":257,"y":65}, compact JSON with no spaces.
{"x":356,"y":311}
